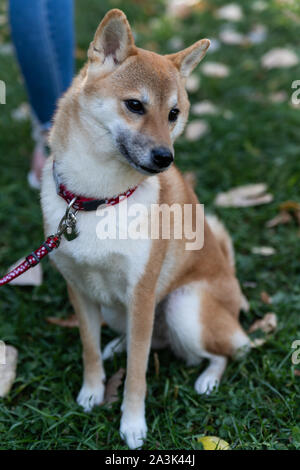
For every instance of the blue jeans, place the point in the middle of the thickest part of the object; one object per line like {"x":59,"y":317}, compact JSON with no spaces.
{"x":43,"y":35}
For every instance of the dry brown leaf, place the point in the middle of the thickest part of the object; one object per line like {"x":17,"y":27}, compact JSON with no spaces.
{"x":21,"y":113}
{"x":244,"y":196}
{"x":297,"y":372}
{"x":232,"y":37}
{"x":8,"y":370}
{"x":80,"y":53}
{"x":69,"y":322}
{"x":290,"y":206}
{"x":258,"y":342}
{"x":111,"y":390}
{"x":156,"y":364}
{"x":265,"y":298}
{"x":196,"y":129}
{"x":263,"y":250}
{"x":279,"y":58}
{"x":204,"y":107}
{"x":282,"y":218}
{"x":181,"y":8}
{"x":267,"y":324}
{"x":230,"y":12}
{"x":32,"y":277}
{"x":250,"y":284}
{"x":215,"y":69}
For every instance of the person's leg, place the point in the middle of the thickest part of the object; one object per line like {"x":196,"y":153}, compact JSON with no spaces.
{"x":42,"y":32}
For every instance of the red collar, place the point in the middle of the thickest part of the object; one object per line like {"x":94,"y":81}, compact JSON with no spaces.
{"x":87,"y":203}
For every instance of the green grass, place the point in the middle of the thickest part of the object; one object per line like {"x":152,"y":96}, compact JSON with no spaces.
{"x":257,"y":406}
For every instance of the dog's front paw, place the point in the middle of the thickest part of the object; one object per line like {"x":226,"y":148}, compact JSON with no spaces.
{"x":133,"y":431}
{"x":90,"y":396}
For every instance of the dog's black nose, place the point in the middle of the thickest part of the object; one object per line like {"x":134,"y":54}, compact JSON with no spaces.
{"x":162,"y":157}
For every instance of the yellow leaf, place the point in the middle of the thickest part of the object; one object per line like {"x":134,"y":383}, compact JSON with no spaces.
{"x":213,"y":443}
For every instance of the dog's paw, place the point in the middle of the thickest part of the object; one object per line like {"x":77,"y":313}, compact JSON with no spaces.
{"x":206,"y":383}
{"x":133,"y":431}
{"x":90,"y":396}
{"x":116,"y":346}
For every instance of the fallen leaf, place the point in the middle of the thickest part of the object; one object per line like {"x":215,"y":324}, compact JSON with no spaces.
{"x":204,"y":107}
{"x":8,"y":370}
{"x":282,"y":218}
{"x":192,"y":83}
{"x":263,"y":250}
{"x":180,"y":8}
{"x":213,"y":443}
{"x":290,"y":206}
{"x":32,"y":277}
{"x":265,"y":298}
{"x":111,"y":390}
{"x":156,"y":364}
{"x":278,"y":97}
{"x":230,"y":12}
{"x":279,"y":58}
{"x":6,"y":49}
{"x":21,"y":113}
{"x":80,"y":53}
{"x":68,"y":322}
{"x":215,"y":69}
{"x":250,"y":284}
{"x":257,"y":35}
{"x":267,"y":324}
{"x":297,"y":372}
{"x":259,"y":5}
{"x":196,"y":129}
{"x":232,"y":37}
{"x":3,"y":20}
{"x":258,"y":342}
{"x":244,"y":196}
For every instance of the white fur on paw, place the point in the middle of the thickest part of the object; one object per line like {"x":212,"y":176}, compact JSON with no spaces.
{"x":115,"y":346}
{"x":206,"y":383}
{"x":90,"y":396}
{"x":133,"y":431}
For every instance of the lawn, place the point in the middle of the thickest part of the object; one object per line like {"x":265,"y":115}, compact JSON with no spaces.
{"x":251,"y":139}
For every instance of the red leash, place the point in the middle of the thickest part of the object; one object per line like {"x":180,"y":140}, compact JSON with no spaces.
{"x":67,"y":226}
{"x":32,"y":260}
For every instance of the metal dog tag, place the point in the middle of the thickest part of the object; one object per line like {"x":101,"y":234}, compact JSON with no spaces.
{"x":71,"y":233}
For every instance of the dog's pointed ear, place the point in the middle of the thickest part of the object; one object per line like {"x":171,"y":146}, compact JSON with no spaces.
{"x":189,"y":58}
{"x":113,"y":41}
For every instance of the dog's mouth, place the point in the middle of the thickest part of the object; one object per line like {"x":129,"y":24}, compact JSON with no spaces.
{"x":140,"y":168}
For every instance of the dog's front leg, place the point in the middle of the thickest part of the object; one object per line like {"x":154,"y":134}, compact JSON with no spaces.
{"x":89,"y":316}
{"x":140,"y":324}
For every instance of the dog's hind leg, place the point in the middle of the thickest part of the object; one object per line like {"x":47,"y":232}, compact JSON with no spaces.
{"x":211,"y":377}
{"x":88,"y":313}
{"x":199,"y":327}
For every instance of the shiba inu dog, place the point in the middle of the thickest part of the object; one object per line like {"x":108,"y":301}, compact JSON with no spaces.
{"x":113,"y":135}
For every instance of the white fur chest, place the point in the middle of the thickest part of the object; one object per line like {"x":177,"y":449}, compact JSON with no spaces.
{"x":103,"y":267}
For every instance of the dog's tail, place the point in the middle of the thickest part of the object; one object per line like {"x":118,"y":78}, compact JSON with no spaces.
{"x":222,"y":237}
{"x":226,"y":246}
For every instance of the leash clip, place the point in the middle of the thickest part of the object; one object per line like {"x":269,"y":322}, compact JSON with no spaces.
{"x":67,"y":225}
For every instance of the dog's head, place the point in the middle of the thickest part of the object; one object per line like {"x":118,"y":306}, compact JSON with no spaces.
{"x":138,"y":96}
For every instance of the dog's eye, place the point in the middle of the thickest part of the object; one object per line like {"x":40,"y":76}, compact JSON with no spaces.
{"x":135,"y":106}
{"x":173,"y":114}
